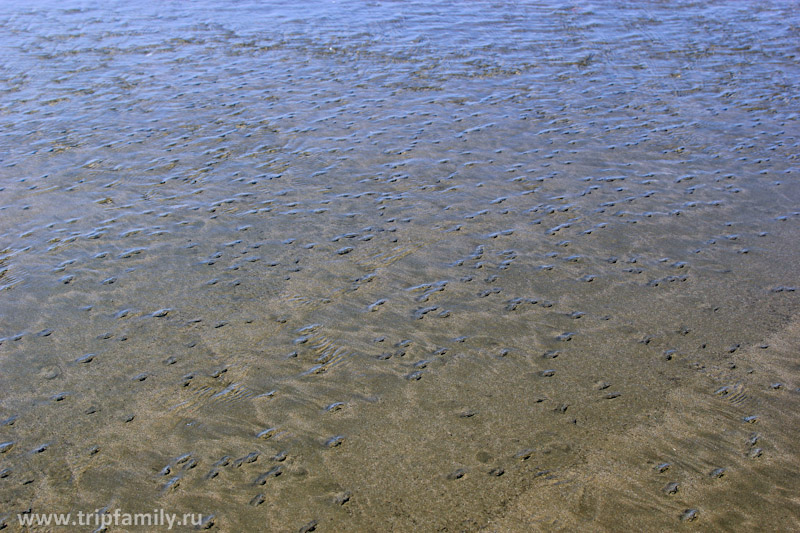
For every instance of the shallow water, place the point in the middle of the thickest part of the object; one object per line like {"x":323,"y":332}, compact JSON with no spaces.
{"x":401,"y":266}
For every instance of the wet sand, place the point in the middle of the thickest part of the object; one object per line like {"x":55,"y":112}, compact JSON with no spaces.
{"x":430,"y":271}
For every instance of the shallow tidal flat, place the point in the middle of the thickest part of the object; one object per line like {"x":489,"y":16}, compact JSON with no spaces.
{"x":378,"y":276}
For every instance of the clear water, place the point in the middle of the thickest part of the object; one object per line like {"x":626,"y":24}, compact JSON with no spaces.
{"x":401,"y":265}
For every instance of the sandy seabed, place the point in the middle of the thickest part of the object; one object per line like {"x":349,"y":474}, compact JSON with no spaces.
{"x":376,"y":277}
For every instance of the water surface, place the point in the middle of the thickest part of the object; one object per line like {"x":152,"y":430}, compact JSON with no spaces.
{"x":377,"y":266}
